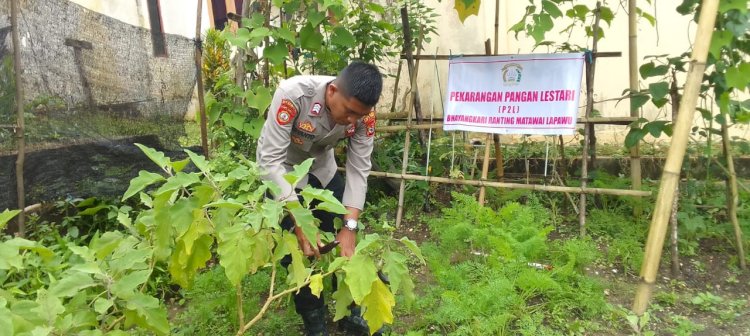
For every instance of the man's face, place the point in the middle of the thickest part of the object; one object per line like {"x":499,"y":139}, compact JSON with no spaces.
{"x":344,"y":111}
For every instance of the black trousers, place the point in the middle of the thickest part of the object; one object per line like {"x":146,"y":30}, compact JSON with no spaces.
{"x":305,"y":301}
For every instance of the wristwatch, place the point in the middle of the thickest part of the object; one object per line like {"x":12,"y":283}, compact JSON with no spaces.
{"x":351,"y":224}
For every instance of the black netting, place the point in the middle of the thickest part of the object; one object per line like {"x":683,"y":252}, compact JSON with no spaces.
{"x":92,"y":86}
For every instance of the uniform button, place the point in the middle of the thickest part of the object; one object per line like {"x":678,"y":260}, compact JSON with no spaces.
{"x":310,"y":91}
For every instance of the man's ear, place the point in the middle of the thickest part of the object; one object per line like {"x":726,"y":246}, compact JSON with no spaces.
{"x":332,"y":88}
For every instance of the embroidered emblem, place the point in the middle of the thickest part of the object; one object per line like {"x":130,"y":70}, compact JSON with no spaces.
{"x":286,"y":112}
{"x":306,"y":126}
{"x":350,"y":131}
{"x":316,"y":109}
{"x":369,"y":121}
{"x":297,"y":140}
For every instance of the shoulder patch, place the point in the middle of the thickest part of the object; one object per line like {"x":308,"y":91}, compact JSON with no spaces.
{"x":315,"y":111}
{"x":369,"y":121}
{"x":286,"y":112}
{"x":350,"y":131}
{"x":306,"y":126}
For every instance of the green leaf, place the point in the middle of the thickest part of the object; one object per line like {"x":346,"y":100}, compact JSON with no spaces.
{"x":260,"y":100}
{"x":180,"y":165}
{"x":234,"y":120}
{"x":578,"y":11}
{"x":6,"y":216}
{"x":343,"y":298}
{"x":378,"y":306}
{"x":297,"y":271}
{"x":199,"y":161}
{"x":260,"y":32}
{"x":650,"y":70}
{"x":139,"y":183}
{"x":124,"y":287}
{"x":71,"y":284}
{"x":342,"y":37}
{"x":658,"y":90}
{"x":607,"y":15}
{"x":655,"y":128}
{"x":272,"y":212}
{"x":145,"y":311}
{"x":6,"y":318}
{"x":233,"y":244}
{"x":551,"y":8}
{"x":328,"y":201}
{"x":360,"y":274}
{"x":637,"y":100}
{"x":101,"y":305}
{"x":179,"y":180}
{"x":254,"y":127}
{"x":738,"y":76}
{"x":238,"y":39}
{"x":103,"y":245}
{"x":634,"y":136}
{"x":727,"y":5}
{"x":300,"y":171}
{"x":315,"y":17}
{"x":131,"y":259}
{"x":49,"y":306}
{"x":276,"y":53}
{"x":395,"y":266}
{"x":285,"y":34}
{"x":192,"y":252}
{"x":412,"y":246}
{"x":155,"y":156}
{"x":650,"y":18}
{"x":304,"y":219}
{"x":310,"y":39}
{"x":719,"y":39}
{"x":316,"y":284}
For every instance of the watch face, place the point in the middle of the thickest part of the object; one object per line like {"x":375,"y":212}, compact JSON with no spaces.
{"x":351,"y":224}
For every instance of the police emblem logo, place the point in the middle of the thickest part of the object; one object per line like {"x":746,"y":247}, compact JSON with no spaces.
{"x":316,"y":109}
{"x":306,"y":126}
{"x":297,"y":140}
{"x":350,"y":131}
{"x":369,"y":121}
{"x":286,"y":112}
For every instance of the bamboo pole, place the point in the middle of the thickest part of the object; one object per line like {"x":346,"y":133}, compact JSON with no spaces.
{"x":674,"y":96}
{"x":673,"y":164}
{"x":199,"y":79}
{"x":413,"y":68}
{"x":21,"y":126}
{"x":395,"y":88}
{"x":494,"y":184}
{"x":499,"y":165}
{"x":590,"y":70}
{"x":732,"y":193}
{"x":486,"y":161}
{"x":635,"y":156}
{"x":407,"y":140}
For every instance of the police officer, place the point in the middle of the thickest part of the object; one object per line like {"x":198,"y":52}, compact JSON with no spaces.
{"x":307,"y":117}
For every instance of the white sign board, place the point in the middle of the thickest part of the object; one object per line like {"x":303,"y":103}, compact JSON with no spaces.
{"x":514,"y":94}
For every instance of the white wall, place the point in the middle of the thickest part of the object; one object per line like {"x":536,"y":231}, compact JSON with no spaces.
{"x":178,"y":16}
{"x":672,"y":35}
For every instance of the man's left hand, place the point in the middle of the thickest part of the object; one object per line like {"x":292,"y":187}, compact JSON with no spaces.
{"x":347,"y":239}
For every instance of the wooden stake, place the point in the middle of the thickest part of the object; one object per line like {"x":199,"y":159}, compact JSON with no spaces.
{"x":395,"y":88}
{"x":486,"y":161}
{"x":535,"y":187}
{"x":732,"y":193}
{"x":673,"y":164}
{"x":674,"y":97}
{"x":20,"y":133}
{"x":199,"y":79}
{"x":407,"y":140}
{"x":590,"y":70}
{"x":635,"y":157}
{"x":413,"y":70}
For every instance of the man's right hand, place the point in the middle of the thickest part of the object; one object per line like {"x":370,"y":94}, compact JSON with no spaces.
{"x":307,"y":249}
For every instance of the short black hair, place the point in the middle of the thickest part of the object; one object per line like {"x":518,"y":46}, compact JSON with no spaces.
{"x":362,"y":81}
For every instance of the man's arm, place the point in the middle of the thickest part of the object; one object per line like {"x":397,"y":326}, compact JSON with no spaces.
{"x":358,"y":165}
{"x":274,"y":142}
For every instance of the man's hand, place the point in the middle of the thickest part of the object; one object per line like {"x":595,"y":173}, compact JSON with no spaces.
{"x":347,"y":239}
{"x":307,"y":248}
